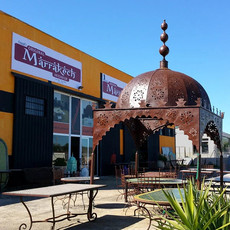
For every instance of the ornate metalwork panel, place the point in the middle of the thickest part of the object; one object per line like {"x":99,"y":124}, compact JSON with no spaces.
{"x":186,"y":118}
{"x":211,"y":124}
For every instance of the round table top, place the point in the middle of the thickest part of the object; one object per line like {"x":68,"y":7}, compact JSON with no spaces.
{"x":78,"y":179}
{"x":226,"y":178}
{"x":195,"y":171}
{"x":159,"y":180}
{"x":158,"y":196}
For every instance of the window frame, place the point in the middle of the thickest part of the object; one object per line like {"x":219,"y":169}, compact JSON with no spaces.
{"x":33,"y":105}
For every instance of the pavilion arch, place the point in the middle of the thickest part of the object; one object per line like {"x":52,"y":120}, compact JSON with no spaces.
{"x":143,"y":121}
{"x":214,"y":133}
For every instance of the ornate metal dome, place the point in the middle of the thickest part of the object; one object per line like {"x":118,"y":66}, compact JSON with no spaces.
{"x":163,"y":87}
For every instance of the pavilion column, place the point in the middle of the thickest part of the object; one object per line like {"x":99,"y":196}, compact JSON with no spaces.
{"x":199,"y":171}
{"x":198,"y":175}
{"x":92,"y":168}
{"x":221,"y":171}
{"x":136,"y":163}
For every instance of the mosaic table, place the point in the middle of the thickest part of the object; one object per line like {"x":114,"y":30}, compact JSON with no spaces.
{"x":157,"y":197}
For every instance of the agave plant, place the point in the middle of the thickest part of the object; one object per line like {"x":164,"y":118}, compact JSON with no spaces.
{"x":198,"y":209}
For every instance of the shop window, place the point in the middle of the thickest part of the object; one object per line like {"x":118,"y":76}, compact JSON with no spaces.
{"x":60,"y":146}
{"x":87,"y":118}
{"x":226,"y":144}
{"x":87,"y":148}
{"x":75,"y":116}
{"x":205,"y":146}
{"x":61,"y":113}
{"x":35,"y":106}
{"x":160,"y":132}
{"x":195,"y":151}
{"x":73,"y":128}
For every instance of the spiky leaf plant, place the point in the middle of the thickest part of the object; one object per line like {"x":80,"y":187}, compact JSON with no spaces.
{"x":198,"y":210}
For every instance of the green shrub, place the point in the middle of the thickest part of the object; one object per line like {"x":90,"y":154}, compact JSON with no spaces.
{"x":59,"y":162}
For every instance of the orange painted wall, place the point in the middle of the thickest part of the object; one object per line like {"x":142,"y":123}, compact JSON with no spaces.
{"x":6,"y":129}
{"x":166,"y":141}
{"x":91,"y":67}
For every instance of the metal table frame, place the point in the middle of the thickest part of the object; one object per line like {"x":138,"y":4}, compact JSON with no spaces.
{"x":55,"y":191}
{"x":142,"y":200}
{"x":78,"y":179}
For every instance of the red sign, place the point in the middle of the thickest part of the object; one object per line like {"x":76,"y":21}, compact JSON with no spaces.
{"x":35,"y":59}
{"x":61,"y":128}
{"x":88,"y":131}
{"x":111,"y":88}
{"x":39,"y":59}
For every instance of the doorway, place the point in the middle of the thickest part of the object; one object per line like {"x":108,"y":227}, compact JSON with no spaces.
{"x":75,"y":150}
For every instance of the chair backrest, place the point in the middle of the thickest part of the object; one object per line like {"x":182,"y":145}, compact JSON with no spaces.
{"x":123,"y":181}
{"x":188,"y":176}
{"x":4,"y":165}
{"x":171,"y":174}
{"x":146,"y":183}
{"x":117,"y":171}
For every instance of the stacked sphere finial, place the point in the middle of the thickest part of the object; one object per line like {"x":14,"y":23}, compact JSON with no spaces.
{"x":164,"y":50}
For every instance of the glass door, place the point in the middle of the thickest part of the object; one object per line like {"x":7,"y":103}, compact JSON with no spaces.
{"x":85,"y":157}
{"x":87,"y":144}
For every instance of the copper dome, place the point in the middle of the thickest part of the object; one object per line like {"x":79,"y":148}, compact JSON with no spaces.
{"x":162,"y":87}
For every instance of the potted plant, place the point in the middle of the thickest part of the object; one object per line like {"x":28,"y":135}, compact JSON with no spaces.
{"x":59,"y":162}
{"x":161,"y":161}
{"x":59,"y":168}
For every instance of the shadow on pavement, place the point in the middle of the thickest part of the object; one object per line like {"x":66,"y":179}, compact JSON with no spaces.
{"x":7,"y":200}
{"x":107,"y":222}
{"x":111,"y":206}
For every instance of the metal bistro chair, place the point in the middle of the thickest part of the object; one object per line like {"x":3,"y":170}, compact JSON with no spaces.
{"x":171,"y":173}
{"x":125,"y":188}
{"x":4,"y":165}
{"x":145,"y":184}
{"x":187,"y":176}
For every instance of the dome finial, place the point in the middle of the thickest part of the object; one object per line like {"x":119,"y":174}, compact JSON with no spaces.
{"x":164,"y":50}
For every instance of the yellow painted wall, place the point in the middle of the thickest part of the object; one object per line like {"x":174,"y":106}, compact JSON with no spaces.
{"x":6,"y":129}
{"x":91,"y":67}
{"x":166,"y":141}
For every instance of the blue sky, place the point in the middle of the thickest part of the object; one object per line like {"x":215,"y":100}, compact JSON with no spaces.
{"x":126,"y":35}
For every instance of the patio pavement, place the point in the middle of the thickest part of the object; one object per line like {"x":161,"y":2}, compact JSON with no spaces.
{"x":111,"y":214}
